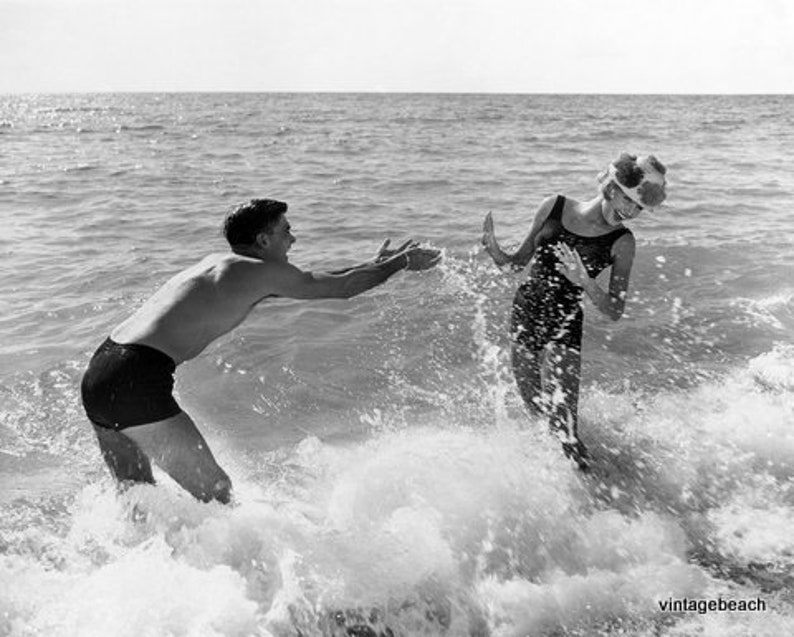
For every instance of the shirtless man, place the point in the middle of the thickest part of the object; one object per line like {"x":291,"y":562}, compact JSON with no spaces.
{"x":127,"y":388}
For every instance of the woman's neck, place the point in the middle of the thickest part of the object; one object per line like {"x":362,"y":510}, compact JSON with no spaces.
{"x":592,"y":213}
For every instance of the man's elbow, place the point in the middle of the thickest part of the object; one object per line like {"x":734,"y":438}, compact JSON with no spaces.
{"x":361,"y":281}
{"x":347,"y":292}
{"x":350,"y":288}
{"x":336,"y":292}
{"x":328,"y":288}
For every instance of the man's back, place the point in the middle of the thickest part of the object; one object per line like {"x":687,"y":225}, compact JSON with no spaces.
{"x":190,"y":310}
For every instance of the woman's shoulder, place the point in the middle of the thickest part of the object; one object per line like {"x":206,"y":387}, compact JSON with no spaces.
{"x":550,"y":204}
{"x":624,"y":244}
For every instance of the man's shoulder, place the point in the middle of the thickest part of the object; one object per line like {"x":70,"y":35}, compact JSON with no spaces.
{"x":230,"y":263}
{"x":225,"y":259}
{"x":239,"y":263}
{"x":240,"y":274}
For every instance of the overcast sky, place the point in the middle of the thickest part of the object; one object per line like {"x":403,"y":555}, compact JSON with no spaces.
{"x":514,"y":46}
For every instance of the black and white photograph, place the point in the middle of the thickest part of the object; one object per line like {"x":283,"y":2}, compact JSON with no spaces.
{"x":396,"y":318}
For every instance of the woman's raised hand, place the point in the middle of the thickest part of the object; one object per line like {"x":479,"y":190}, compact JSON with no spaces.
{"x":570,"y":264}
{"x":488,"y":238}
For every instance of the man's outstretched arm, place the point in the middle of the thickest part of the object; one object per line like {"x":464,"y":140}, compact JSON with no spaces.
{"x":351,"y":281}
{"x":382,"y":254}
{"x":285,"y":280}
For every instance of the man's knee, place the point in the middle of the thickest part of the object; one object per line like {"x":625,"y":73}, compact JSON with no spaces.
{"x":213,"y":484}
{"x":220,"y":490}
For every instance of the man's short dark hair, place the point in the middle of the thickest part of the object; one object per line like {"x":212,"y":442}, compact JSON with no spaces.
{"x":246,"y":221}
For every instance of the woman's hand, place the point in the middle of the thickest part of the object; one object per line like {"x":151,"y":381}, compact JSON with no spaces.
{"x":570,"y":265}
{"x":488,"y":238}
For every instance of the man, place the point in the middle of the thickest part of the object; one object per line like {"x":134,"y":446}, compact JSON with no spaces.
{"x":127,"y":388}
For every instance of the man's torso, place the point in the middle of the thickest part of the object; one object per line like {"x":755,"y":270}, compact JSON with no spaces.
{"x":191,"y":310}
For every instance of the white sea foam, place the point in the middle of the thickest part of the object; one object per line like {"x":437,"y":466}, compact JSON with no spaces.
{"x":438,"y":529}
{"x":769,"y":310}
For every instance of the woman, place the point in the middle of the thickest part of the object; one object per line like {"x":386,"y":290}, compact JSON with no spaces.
{"x":570,"y":243}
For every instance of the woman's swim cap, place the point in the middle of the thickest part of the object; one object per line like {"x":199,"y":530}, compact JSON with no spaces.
{"x":640,"y":178}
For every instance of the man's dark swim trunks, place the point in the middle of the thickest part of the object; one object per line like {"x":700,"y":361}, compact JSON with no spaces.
{"x":548,"y":307}
{"x":128,"y":385}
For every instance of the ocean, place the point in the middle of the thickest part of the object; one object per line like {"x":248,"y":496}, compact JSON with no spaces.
{"x":387,"y":478}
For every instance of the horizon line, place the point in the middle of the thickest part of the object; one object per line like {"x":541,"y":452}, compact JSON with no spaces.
{"x":378,"y":92}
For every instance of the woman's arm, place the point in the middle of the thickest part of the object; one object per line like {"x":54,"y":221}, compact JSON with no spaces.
{"x":610,"y":303}
{"x":521,"y":257}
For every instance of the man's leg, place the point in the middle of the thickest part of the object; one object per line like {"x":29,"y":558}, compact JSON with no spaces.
{"x":177,"y":447}
{"x":125,"y":459}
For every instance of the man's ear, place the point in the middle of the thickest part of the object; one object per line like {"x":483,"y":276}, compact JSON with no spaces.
{"x":263,"y":240}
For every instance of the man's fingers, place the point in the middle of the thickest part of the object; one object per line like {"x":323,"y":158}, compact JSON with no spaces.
{"x":431,"y":255}
{"x":407,"y":245}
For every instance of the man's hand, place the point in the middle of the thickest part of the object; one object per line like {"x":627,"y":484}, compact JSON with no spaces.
{"x":417,"y":258}
{"x":422,"y":258}
{"x":384,"y":252}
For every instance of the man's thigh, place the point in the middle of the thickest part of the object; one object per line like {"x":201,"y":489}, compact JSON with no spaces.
{"x":177,"y":446}
{"x":124,"y":457}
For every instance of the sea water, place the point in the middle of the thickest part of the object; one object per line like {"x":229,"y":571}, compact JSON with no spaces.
{"x":387,"y":477}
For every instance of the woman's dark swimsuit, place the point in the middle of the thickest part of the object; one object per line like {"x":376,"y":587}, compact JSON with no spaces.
{"x":128,"y":385}
{"x":548,"y":307}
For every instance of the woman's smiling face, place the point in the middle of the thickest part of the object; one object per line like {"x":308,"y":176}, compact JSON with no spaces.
{"x":620,"y":207}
